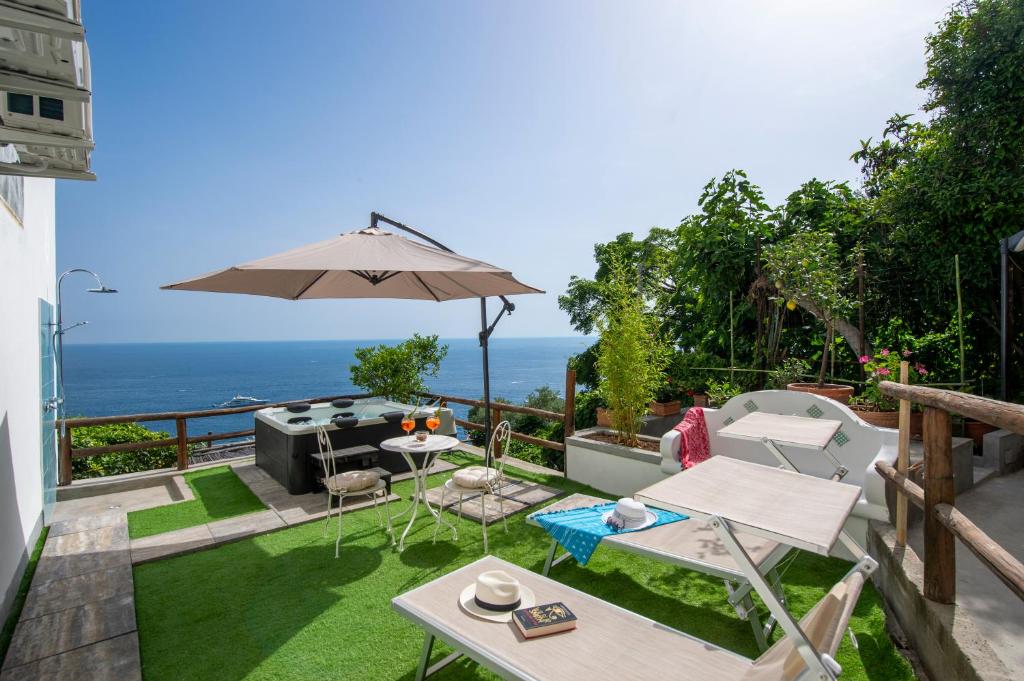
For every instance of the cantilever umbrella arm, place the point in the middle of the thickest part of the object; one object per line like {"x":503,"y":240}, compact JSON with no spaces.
{"x":507,"y":307}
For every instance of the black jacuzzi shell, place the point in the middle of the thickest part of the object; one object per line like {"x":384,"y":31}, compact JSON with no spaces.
{"x":286,"y":456}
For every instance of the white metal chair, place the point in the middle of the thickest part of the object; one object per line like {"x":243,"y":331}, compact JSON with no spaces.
{"x":348,"y":484}
{"x":481,"y":480}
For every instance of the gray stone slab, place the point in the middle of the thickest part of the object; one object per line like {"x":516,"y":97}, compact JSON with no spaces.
{"x":68,"y":555}
{"x":113,"y":659}
{"x":74,"y":591}
{"x":59,"y":632}
{"x":88,"y":522}
{"x":245,"y":525}
{"x":171,"y":543}
{"x":518,"y":495}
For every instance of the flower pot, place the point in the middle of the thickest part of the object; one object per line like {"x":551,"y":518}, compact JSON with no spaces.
{"x":604,"y":417}
{"x":665,"y":408}
{"x":839,"y":393}
{"x":890,"y":419}
{"x":976,"y":430}
{"x":700,"y":400}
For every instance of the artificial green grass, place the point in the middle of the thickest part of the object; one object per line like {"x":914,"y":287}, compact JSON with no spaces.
{"x":279,"y":606}
{"x":219,"y":494}
{"x":19,"y":599}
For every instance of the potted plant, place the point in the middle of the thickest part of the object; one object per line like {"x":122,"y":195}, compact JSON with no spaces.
{"x":878,"y":409}
{"x":791,"y":370}
{"x":666,"y":401}
{"x":720,"y":392}
{"x":808,"y":273}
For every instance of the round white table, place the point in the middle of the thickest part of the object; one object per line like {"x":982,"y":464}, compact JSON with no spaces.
{"x":430,"y":449}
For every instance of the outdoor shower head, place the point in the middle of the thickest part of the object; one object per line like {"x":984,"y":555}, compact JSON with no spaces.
{"x":101,"y":289}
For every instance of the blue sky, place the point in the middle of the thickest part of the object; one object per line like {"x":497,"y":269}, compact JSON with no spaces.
{"x":517,"y":133}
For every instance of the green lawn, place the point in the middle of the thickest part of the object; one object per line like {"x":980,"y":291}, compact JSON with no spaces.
{"x":279,"y":606}
{"x":219,"y":494}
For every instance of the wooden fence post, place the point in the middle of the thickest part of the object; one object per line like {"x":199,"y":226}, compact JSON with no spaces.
{"x":495,"y":420}
{"x":181,"y":429}
{"x":64,"y":462}
{"x":903,"y":458}
{"x":570,"y":402}
{"x":939,"y":542}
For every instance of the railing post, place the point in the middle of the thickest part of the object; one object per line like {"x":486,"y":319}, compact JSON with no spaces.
{"x":64,"y":462}
{"x":570,"y":402}
{"x":939,"y":542}
{"x":181,"y":429}
{"x":496,"y":453}
{"x":903,"y":458}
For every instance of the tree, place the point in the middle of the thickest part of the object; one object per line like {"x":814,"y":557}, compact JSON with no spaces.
{"x":397,"y":371}
{"x":954,"y":184}
{"x":632,"y":355}
{"x":808,"y":270}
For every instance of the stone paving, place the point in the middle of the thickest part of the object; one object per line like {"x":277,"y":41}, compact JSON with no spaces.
{"x":79,"y":617}
{"x":519,"y":495}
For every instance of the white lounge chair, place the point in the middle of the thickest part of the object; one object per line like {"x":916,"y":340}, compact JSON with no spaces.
{"x":692,"y":545}
{"x":613,"y":643}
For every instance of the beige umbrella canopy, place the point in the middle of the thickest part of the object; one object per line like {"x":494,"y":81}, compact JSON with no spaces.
{"x":367,"y":263}
{"x":372,"y":263}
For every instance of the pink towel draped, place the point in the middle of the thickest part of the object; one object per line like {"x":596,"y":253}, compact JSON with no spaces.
{"x":694,"y":445}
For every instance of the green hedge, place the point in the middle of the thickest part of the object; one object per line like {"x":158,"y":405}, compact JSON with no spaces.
{"x":126,"y":462}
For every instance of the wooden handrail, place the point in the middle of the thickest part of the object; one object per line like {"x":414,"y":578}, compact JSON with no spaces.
{"x":902,"y":483}
{"x":515,"y":408}
{"x":76,"y":422}
{"x":987,"y":410}
{"x":1008,"y":569}
{"x":529,"y":439}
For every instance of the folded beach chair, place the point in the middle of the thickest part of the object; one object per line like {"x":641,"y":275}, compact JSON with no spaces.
{"x":613,"y":643}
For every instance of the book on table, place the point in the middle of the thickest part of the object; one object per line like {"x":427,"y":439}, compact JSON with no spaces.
{"x":541,"y":620}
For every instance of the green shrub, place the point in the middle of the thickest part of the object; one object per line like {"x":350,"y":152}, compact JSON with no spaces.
{"x":586,"y":408}
{"x":397,"y":371}
{"x":126,"y":462}
{"x":792,"y":370}
{"x":720,"y":392}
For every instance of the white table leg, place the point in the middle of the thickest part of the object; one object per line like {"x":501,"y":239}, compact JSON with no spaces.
{"x":438,"y":514}
{"x":415,"y":500}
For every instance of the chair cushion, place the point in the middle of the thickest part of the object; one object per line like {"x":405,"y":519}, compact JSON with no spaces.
{"x":474,"y":477}
{"x":352,"y":481}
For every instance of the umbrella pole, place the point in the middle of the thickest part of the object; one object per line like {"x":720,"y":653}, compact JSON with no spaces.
{"x":484,"y":336}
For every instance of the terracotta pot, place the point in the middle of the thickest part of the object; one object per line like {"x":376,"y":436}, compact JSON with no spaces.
{"x":665,"y":408}
{"x":700,"y":400}
{"x":891,"y":419}
{"x":976,"y":431}
{"x":839,"y":393}
{"x":604,"y":417}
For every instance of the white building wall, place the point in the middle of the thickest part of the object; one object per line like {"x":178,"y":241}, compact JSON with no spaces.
{"x":27,"y":273}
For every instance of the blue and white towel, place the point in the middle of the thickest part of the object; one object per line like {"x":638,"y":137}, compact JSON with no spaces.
{"x":580,"y":530}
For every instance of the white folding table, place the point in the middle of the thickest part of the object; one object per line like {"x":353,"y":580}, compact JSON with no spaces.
{"x":776,"y":430}
{"x":791,"y":508}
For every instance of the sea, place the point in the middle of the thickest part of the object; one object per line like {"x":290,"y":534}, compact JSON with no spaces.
{"x":132,"y":378}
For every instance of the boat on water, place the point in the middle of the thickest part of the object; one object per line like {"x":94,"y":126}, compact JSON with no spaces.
{"x":241,"y":401}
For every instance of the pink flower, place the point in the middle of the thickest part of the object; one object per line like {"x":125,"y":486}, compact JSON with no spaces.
{"x":923,"y":372}
{"x":885,"y":352}
{"x":883,"y":372}
{"x":864,"y":359}
{"x":906,"y":353}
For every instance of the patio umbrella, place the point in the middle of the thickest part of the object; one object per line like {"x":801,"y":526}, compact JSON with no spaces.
{"x":373,"y":263}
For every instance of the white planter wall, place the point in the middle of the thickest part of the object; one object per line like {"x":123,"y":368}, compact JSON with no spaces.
{"x":27,"y":273}
{"x":616,"y":470}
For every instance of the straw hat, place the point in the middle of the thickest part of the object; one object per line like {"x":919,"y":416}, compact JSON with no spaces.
{"x":494,"y":596}
{"x":630,"y":514}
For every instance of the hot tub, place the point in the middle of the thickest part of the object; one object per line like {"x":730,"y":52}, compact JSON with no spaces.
{"x":283,"y":449}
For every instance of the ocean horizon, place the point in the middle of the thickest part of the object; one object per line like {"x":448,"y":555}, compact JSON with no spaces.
{"x":103,"y":379}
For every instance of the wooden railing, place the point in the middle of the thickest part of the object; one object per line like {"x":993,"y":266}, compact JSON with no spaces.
{"x":566,"y":417}
{"x":943,"y":523}
{"x":181,"y":438}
